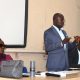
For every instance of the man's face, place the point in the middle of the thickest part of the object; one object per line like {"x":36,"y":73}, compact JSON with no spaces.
{"x":59,"y":22}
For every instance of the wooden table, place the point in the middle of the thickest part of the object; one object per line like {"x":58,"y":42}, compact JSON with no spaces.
{"x":42,"y":78}
{"x":70,"y":77}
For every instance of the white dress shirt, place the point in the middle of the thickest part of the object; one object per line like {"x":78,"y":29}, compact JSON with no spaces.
{"x":60,"y":32}
{"x":79,"y":56}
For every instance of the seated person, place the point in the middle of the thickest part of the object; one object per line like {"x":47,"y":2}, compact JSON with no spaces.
{"x":7,"y":57}
{"x":3,"y":56}
{"x":74,"y":55}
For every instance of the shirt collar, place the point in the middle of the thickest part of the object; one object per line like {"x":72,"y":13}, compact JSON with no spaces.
{"x":57,"y":28}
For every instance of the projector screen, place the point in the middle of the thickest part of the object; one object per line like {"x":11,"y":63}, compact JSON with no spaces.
{"x":13,"y":22}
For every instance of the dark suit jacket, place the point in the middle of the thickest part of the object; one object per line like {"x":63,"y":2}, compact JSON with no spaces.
{"x":57,"y":57}
{"x":73,"y":55}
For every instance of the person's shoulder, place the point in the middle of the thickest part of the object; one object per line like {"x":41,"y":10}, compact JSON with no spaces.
{"x":48,"y":30}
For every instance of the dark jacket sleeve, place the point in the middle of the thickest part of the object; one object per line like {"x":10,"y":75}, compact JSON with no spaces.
{"x":72,"y":54}
{"x":51,"y":44}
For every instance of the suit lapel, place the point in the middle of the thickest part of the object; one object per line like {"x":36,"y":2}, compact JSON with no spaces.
{"x":54,"y":30}
{"x":65,"y":34}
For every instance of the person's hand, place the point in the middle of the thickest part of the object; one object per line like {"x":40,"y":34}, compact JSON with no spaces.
{"x":77,"y":39}
{"x":66,"y":40}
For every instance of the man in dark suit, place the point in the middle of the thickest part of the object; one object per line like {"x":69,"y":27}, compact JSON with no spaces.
{"x":73,"y":55}
{"x":56,"y":45}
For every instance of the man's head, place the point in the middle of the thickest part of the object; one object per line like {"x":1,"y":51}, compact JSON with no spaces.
{"x":58,"y":20}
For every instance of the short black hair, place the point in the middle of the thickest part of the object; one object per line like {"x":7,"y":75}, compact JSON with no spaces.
{"x":1,"y":43}
{"x":56,"y":15}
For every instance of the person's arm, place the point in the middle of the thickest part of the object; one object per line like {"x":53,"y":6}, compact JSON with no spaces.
{"x":8,"y":57}
{"x":51,"y":44}
{"x":75,"y":43}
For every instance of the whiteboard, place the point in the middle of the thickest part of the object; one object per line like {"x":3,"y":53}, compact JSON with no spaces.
{"x":13,"y":22}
